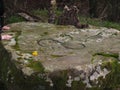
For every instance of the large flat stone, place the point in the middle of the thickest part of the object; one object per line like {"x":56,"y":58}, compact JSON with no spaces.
{"x":59,"y":47}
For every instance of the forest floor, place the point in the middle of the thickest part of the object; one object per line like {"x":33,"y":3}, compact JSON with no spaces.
{"x":83,"y":19}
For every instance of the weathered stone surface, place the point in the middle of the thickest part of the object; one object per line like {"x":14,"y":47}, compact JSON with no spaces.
{"x":61,"y":49}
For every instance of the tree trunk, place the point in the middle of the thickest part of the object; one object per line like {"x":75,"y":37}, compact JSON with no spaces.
{"x":52,"y":10}
{"x":69,"y":17}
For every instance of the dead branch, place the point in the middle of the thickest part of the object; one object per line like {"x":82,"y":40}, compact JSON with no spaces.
{"x":30,"y":17}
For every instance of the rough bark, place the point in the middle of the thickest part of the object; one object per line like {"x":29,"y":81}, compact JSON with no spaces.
{"x":52,"y":15}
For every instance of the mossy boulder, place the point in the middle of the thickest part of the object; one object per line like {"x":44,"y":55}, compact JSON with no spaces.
{"x":67,"y":58}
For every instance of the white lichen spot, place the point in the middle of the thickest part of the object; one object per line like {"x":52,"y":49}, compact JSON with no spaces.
{"x":69,"y":81}
{"x":68,"y":85}
{"x":69,"y":77}
{"x":26,"y":56}
{"x":77,"y":79}
{"x":12,"y":42}
{"x":27,"y":71}
{"x":51,"y":84}
{"x":74,"y":32}
{"x":50,"y":81}
{"x":94,"y":76}
{"x":26,"y":62}
{"x":105,"y":72}
{"x":78,"y":68}
{"x":86,"y":81}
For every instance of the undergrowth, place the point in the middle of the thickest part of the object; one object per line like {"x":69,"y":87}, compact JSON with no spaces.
{"x":44,"y":15}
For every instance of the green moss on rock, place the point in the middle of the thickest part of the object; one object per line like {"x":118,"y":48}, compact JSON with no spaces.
{"x":36,"y":65}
